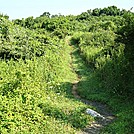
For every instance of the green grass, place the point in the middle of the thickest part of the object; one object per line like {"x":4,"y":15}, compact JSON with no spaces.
{"x":90,"y":87}
{"x":35,"y":96}
{"x":37,"y":72}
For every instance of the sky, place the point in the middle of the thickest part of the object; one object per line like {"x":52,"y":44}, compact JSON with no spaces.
{"x":17,"y":9}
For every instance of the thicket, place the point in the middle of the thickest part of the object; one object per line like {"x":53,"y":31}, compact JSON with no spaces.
{"x":35,"y":67}
{"x":107,"y":48}
{"x":34,"y":79}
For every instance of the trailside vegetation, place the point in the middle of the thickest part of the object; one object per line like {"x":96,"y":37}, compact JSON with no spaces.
{"x":36,"y":72}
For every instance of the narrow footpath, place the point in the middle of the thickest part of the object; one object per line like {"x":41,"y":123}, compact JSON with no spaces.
{"x":96,"y":126}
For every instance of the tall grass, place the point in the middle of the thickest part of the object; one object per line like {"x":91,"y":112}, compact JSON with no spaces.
{"x":35,"y":84}
{"x":107,"y":77}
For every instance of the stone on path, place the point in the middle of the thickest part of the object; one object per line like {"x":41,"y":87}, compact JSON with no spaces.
{"x":94,"y":113}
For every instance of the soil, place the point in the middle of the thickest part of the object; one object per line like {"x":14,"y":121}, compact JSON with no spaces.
{"x":96,"y":126}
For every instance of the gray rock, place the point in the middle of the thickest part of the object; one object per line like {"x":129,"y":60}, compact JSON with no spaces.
{"x":94,"y":113}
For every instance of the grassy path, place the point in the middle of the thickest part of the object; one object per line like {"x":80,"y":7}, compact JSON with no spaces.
{"x":82,"y":72}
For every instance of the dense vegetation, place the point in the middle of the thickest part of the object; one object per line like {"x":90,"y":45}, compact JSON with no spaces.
{"x":36,"y":72}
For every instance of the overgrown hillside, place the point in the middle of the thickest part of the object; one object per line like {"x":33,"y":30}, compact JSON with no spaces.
{"x":36,"y":73}
{"x":35,"y":80}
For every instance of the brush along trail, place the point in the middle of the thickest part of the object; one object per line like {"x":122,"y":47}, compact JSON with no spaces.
{"x":96,"y":126}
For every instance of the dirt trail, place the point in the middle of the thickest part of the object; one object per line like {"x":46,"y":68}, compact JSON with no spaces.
{"x":97,"y":125}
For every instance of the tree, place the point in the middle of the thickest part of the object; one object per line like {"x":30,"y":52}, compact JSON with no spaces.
{"x":47,"y":14}
{"x":112,"y":11}
{"x":83,"y":16}
{"x":4,"y":16}
{"x":96,"y":12}
{"x":29,"y":22}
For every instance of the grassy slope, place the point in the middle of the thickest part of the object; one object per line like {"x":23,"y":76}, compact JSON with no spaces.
{"x":90,"y":88}
{"x":35,"y":96}
{"x":30,"y":104}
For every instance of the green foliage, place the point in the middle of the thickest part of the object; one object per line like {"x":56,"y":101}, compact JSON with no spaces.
{"x":74,"y":117}
{"x":47,"y":14}
{"x":34,"y":79}
{"x":4,"y":16}
{"x":17,"y":42}
{"x":24,"y":86}
{"x":36,"y":71}
{"x":108,"y":49}
{"x":92,"y":87}
{"x":109,"y":11}
{"x":102,"y":50}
